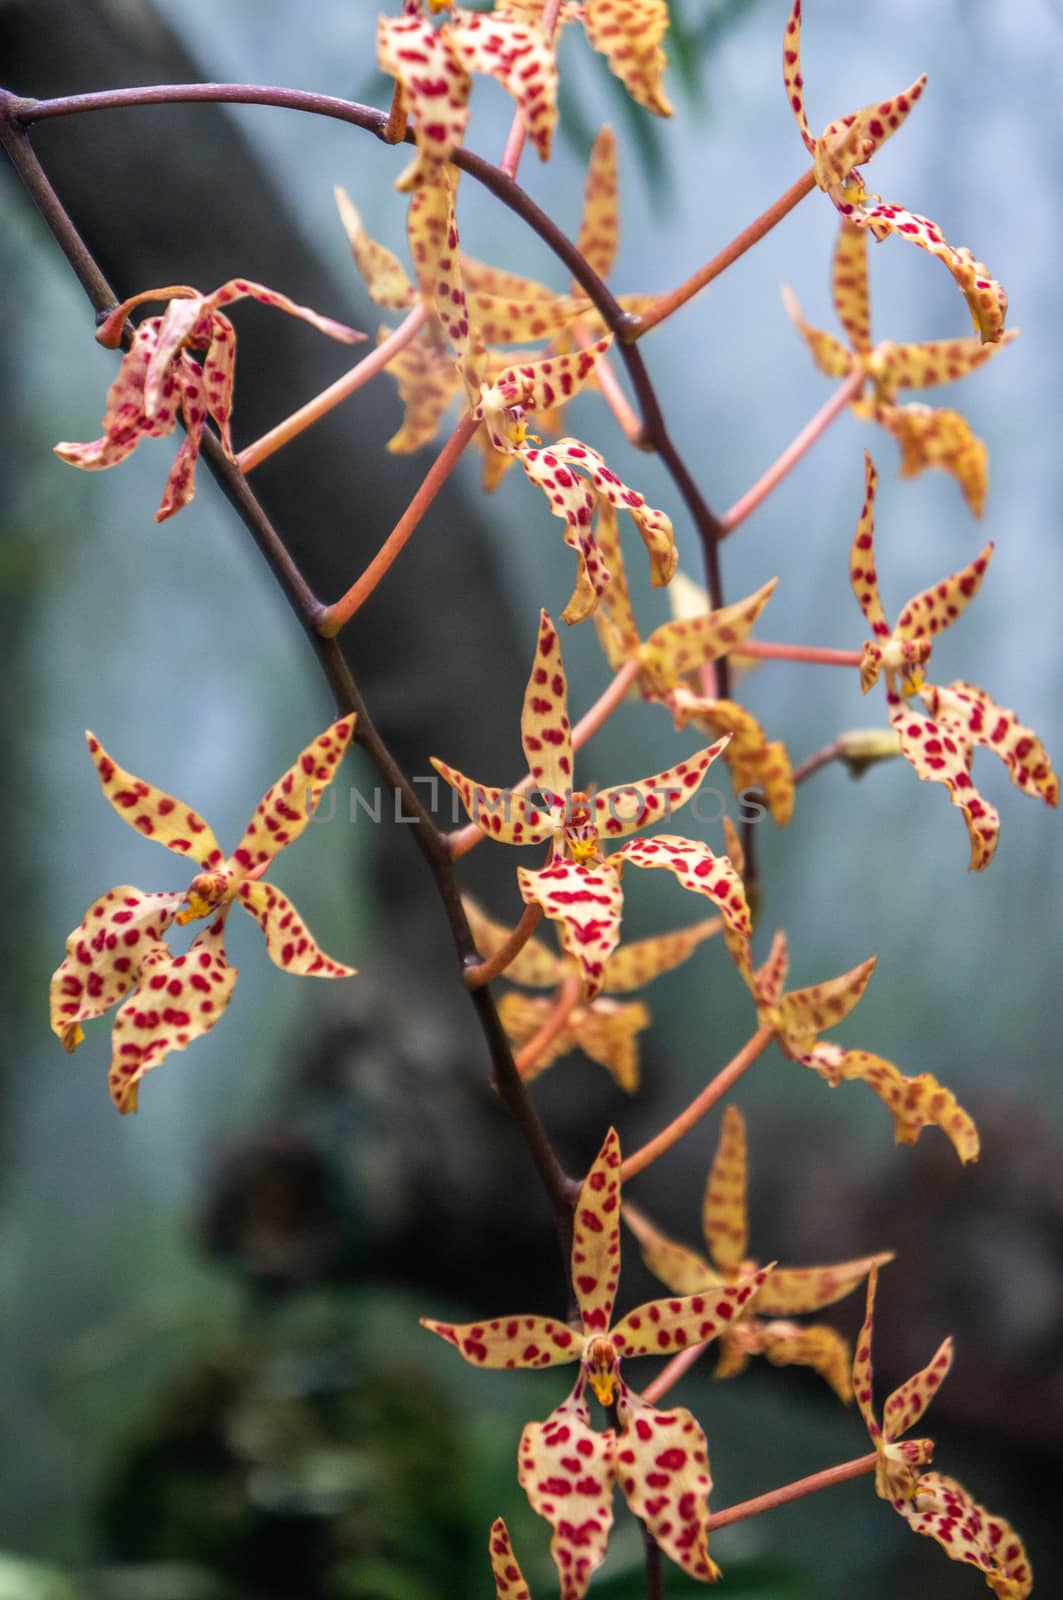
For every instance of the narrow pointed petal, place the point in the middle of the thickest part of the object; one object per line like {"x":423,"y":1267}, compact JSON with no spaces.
{"x":628,"y":34}
{"x":574,"y":502}
{"x":434,"y":82}
{"x":863,"y":1371}
{"x":793,"y":81}
{"x":938,"y":757}
{"x":506,"y":1342}
{"x":931,"y":436}
{"x":942,"y":1510}
{"x":428,"y":380}
{"x":534,"y":965}
{"x":724,"y":1216}
{"x":909,"y":1401}
{"x":640,"y":962}
{"x":661,"y":1326}
{"x":614,"y":618}
{"x":481,"y":278}
{"x":850,"y":141}
{"x":599,"y":225}
{"x":804,"y":1013}
{"x":545,"y":730}
{"x":432,"y":230}
{"x":677,"y":648}
{"x":923,"y":365}
{"x":933,"y":610}
{"x":502,"y":814}
{"x":771,"y":975}
{"x":539,"y":385}
{"x":180,"y":484}
{"x":792,"y":1290}
{"x":241,"y":288}
{"x":655,"y":528}
{"x":178,"y":999}
{"x":830,"y":355}
{"x":567,"y":1470}
{"x":849,"y":286}
{"x":679,"y":1269}
{"x":385,"y":277}
{"x":586,"y":902}
{"x":287,"y":806}
{"x":630,"y":806}
{"x":975,"y":718}
{"x":519,"y":56}
{"x":696,"y":868}
{"x":862,"y":573}
{"x":608,"y":1033}
{"x":104,"y":955}
{"x":986,"y":299}
{"x":823,"y":1349}
{"x":596,"y":1238}
{"x":509,"y":1580}
{"x":176,"y":328}
{"x":125,"y":420}
{"x":154,"y":813}
{"x":915,"y":1103}
{"x":505,"y":320}
{"x":289,"y":943}
{"x":755,"y":761}
{"x":663,"y":1470}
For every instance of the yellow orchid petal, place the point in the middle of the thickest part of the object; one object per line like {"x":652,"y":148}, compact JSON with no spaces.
{"x":724,"y":1215}
{"x":829,"y":354}
{"x":661,"y":1326}
{"x":577,"y":1500}
{"x":428,"y":380}
{"x":695,"y":868}
{"x":285,"y":810}
{"x":936,"y":609}
{"x":623,"y":809}
{"x":289,"y":943}
{"x":818,"y":1346}
{"x":804,"y":1013}
{"x":545,"y":730}
{"x":599,"y":225}
{"x":942,"y":1510}
{"x":510,"y":1341}
{"x":678,"y":647}
{"x":849,"y":288}
{"x":608,"y":1031}
{"x":639,"y":962}
{"x":915,"y":1103}
{"x":104,"y":956}
{"x":679,"y":1269}
{"x":519,"y":56}
{"x":385,"y":277}
{"x":502,"y":814}
{"x":586,"y":903}
{"x":974,"y":718}
{"x":596,"y":1238}
{"x":628,"y":34}
{"x":792,"y":1290}
{"x":935,"y":437}
{"x":533,"y":965}
{"x":154,"y":813}
{"x":509,"y":1580}
{"x":435,"y":85}
{"x":663,"y":1470}
{"x":939,"y":757}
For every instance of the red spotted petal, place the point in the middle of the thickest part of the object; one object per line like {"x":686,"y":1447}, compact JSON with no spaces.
{"x":596,"y":1238}
{"x":792,"y":78}
{"x":288,"y":805}
{"x":936,"y":609}
{"x":938,"y":757}
{"x":511,"y":1341}
{"x":696,"y":868}
{"x":289,"y":943}
{"x":974,"y":718}
{"x":434,"y":82}
{"x":829,"y":354}
{"x":662,"y":1326}
{"x":509,"y":1580}
{"x":915,"y":1103}
{"x":851,"y":140}
{"x":681,"y":1270}
{"x":628,"y":33}
{"x":104,"y":955}
{"x":792,"y":1290}
{"x":385,"y":277}
{"x":599,"y":226}
{"x":125,"y":420}
{"x":567,"y":1470}
{"x":943,"y":1510}
{"x":862,"y":573}
{"x":677,"y":648}
{"x":622,"y":810}
{"x":506,"y":815}
{"x":638,"y":963}
{"x":154,"y":813}
{"x":544,"y":725}
{"x":804,"y":1013}
{"x":519,"y":55}
{"x":724,"y":1216}
{"x":849,"y":286}
{"x":586,"y":902}
{"x":574,"y":502}
{"x":986,"y":299}
{"x":909,"y":1401}
{"x":662,"y":1466}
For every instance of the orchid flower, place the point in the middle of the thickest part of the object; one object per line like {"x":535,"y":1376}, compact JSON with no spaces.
{"x":605,"y":1029}
{"x":928,"y":436}
{"x":671,"y":657}
{"x":660,"y":1458}
{"x":579,"y":887}
{"x":930,"y":1503}
{"x":628,"y":33}
{"x":119,"y":946}
{"x":799,"y":1016}
{"x":838,"y":153}
{"x":787,"y":1291}
{"x":159,"y":380}
{"x":941,"y":746}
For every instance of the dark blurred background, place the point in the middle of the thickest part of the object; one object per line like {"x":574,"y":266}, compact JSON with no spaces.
{"x":214,"y":1385}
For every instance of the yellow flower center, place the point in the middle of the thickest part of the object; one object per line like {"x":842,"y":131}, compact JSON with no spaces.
{"x":206,"y":892}
{"x":600,"y":1363}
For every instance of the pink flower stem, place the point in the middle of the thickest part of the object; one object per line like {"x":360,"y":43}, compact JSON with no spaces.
{"x":793,"y":1491}
{"x":763,"y":651}
{"x":323,"y":403}
{"x":702,"y":1103}
{"x":514,"y":147}
{"x":483,"y":971}
{"x":462,"y":840}
{"x":843,"y":394}
{"x":337,"y":615}
{"x":726,"y":257}
{"x":568,"y":999}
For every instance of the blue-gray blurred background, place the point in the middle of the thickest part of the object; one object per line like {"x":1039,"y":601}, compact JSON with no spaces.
{"x":213,"y":1380}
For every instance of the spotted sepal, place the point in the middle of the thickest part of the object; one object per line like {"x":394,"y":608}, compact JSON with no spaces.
{"x":537,"y":386}
{"x":614,"y":619}
{"x":434,"y":83}
{"x":608,"y":1033}
{"x":863,"y":575}
{"x":852,"y":140}
{"x":662,"y":1464}
{"x":596,"y":1238}
{"x":724,"y":1215}
{"x":974,"y":718}
{"x":914,"y":1103}
{"x":519,"y":56}
{"x":942,"y":1510}
{"x":599,"y":225}
{"x":696,"y":868}
{"x":177,"y":999}
{"x":899,"y":1460}
{"x":627,"y":807}
{"x":793,"y":1290}
{"x":818,"y":1346}
{"x":385,"y":277}
{"x":924,"y":365}
{"x":505,"y":815}
{"x":940,"y":757}
{"x":793,"y":80}
{"x":104,"y":956}
{"x":242,"y":289}
{"x":586,"y":902}
{"x":930,"y":436}
{"x":661,"y":1326}
{"x":573,"y":501}
{"x":677,"y":648}
{"x":287,"y":806}
{"x":533,"y":965}
{"x":507,"y":1342}
{"x":544,"y":726}
{"x":628,"y":33}
{"x":933,"y":610}
{"x":289,"y":943}
{"x":639,"y":962}
{"x":509,"y":1579}
{"x":428,"y":380}
{"x":986,"y":299}
{"x":679,"y":1269}
{"x":849,"y":289}
{"x":568,"y":1471}
{"x":770,"y":976}
{"x":504,"y":320}
{"x":522,"y":1015}
{"x":804,"y":1013}
{"x":154,"y":813}
{"x":829,"y":354}
{"x":655,"y":528}
{"x":908,"y":1402}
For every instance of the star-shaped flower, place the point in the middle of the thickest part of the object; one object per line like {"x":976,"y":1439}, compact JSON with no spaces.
{"x":659,"y":1457}
{"x":159,"y":379}
{"x":669,"y":661}
{"x":844,"y":145}
{"x":929,"y":1502}
{"x":605,"y":1029}
{"x":928,"y":436}
{"x":799,"y":1016}
{"x":941,"y":746}
{"x":119,"y":944}
{"x":579,"y":888}
{"x":787,"y":1291}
